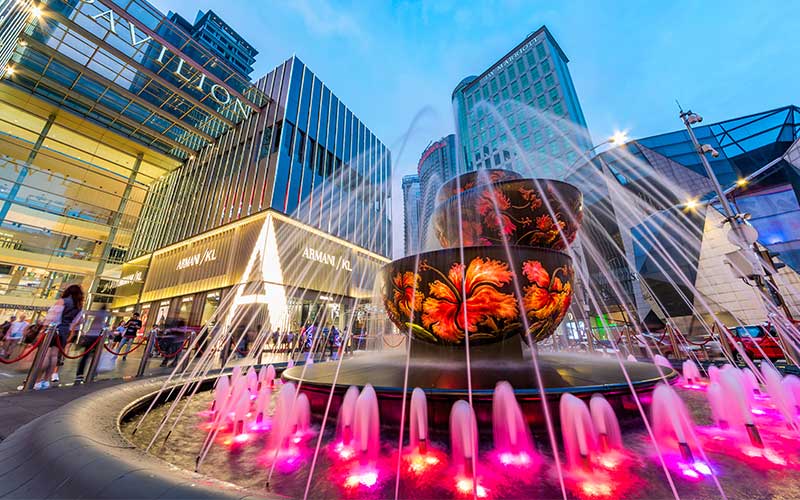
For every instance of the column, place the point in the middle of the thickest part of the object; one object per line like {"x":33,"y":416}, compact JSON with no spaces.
{"x":114,"y":226}
{"x":12,"y":194}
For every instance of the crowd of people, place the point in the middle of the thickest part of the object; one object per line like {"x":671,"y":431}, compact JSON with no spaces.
{"x":71,"y":325}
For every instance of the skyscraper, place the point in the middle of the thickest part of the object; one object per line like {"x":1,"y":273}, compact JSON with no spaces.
{"x":436,"y":165}
{"x":304,"y":154}
{"x":525,"y":98}
{"x":214,"y":34}
{"x":411,"y":214}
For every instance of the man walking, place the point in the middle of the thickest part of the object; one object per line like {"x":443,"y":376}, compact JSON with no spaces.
{"x":132,"y":327}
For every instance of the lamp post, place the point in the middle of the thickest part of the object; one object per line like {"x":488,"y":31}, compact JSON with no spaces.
{"x":742,"y":235}
{"x":618,"y":138}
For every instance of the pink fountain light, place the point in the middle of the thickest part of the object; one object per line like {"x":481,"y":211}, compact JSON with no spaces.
{"x":513,"y":444}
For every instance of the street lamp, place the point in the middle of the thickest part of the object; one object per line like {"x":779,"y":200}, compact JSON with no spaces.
{"x":741,"y":235}
{"x":618,"y":137}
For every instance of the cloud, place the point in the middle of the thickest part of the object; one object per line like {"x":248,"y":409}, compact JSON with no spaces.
{"x":323,"y":19}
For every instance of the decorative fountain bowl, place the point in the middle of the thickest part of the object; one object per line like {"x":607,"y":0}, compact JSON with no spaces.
{"x":469,"y":180}
{"x":533,"y":212}
{"x":443,"y":296}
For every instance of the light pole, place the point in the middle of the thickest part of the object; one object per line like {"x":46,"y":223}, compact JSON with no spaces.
{"x":744,"y":235}
{"x":618,"y":138}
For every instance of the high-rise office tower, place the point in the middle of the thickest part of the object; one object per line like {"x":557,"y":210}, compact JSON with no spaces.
{"x":411,"y":214}
{"x":223,"y":41}
{"x":522,"y":113}
{"x":436,"y":165}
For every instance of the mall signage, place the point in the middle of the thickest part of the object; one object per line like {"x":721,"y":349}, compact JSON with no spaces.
{"x":184,"y":69}
{"x":338,"y":263}
{"x":198,"y":259}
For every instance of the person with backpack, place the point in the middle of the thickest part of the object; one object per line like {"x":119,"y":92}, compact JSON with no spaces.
{"x":64,"y":315}
{"x":132,"y":328}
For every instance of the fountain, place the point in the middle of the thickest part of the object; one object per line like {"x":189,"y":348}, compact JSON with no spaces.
{"x":577,"y":429}
{"x":691,"y":373}
{"x":512,"y":437}
{"x":496,"y":288}
{"x":366,"y":426}
{"x":606,"y":423}
{"x":672,"y":426}
{"x":463,"y":439}
{"x":418,"y":422}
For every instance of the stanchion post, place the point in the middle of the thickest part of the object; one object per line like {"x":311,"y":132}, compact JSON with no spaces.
{"x":146,"y":354}
{"x":41,"y":352}
{"x":674,"y":342}
{"x":187,"y":355}
{"x":98,"y":351}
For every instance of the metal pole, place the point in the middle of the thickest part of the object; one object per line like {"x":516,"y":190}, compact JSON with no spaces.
{"x":41,"y":352}
{"x":98,"y":351}
{"x":187,"y":355}
{"x":730,"y":215}
{"x":146,"y":354}
{"x":672,"y":340}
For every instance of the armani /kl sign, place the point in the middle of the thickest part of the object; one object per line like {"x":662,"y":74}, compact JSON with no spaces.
{"x":209,"y":255}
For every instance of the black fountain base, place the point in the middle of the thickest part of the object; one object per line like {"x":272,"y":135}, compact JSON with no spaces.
{"x":445,"y":381}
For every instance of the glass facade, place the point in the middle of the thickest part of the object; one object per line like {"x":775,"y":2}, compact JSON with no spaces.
{"x":304,"y":154}
{"x":222,"y":40}
{"x":436,"y":165}
{"x":412,"y":208}
{"x":522,"y":112}
{"x":123,"y":65}
{"x":758,"y":166}
{"x":98,"y":100}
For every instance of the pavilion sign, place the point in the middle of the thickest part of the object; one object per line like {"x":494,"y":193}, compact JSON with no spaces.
{"x":184,"y":69}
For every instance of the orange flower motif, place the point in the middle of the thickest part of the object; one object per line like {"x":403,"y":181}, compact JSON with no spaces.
{"x":463,"y":300}
{"x":407,"y":297}
{"x":532,"y":197}
{"x":492,"y":206}
{"x":547,"y":299}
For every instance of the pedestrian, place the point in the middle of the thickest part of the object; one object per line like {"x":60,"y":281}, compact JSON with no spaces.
{"x":90,"y":339}
{"x":132,"y":327}
{"x":5,"y":326}
{"x":33,"y":331}
{"x":13,"y":336}
{"x":64,"y":315}
{"x":333,"y":342}
{"x":173,"y":339}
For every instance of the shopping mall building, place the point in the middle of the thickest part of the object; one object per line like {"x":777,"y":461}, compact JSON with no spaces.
{"x":658,"y":210}
{"x":140,"y":160}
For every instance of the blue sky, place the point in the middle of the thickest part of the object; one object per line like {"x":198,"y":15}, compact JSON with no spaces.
{"x":395,"y":64}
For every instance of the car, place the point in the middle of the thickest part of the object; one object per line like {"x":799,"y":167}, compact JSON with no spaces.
{"x":757,"y":342}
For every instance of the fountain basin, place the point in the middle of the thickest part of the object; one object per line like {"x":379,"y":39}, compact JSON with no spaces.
{"x":445,"y":383}
{"x":423,"y":294}
{"x":469,"y":180}
{"x":533,"y":212}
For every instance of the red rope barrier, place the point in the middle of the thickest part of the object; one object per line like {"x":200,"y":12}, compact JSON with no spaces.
{"x":700,"y":344}
{"x":25,"y":354}
{"x":64,"y":353}
{"x":169,"y":356}
{"x":120,"y":353}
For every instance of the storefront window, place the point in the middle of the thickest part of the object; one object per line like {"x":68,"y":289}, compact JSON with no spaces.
{"x":185,"y":308}
{"x":210,"y":306}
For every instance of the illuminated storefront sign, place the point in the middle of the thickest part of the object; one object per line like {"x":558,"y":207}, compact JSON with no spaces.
{"x":184,"y":70}
{"x":336,"y":262}
{"x":136,"y":277}
{"x":296,"y":257}
{"x":209,"y":255}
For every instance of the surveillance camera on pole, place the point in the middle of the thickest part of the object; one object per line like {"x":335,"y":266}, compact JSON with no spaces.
{"x":706,"y":148}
